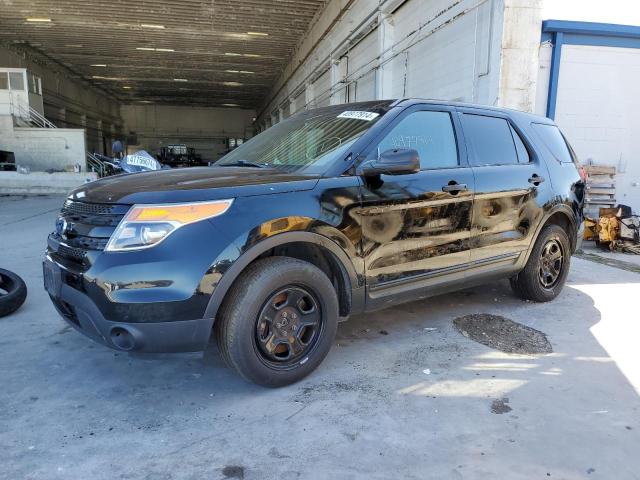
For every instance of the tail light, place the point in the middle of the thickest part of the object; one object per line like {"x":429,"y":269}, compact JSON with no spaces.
{"x":583,"y":173}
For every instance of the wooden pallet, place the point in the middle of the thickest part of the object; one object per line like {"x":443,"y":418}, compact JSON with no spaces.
{"x":600,"y":188}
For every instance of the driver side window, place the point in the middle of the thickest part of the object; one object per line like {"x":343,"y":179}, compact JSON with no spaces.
{"x":430,"y":133}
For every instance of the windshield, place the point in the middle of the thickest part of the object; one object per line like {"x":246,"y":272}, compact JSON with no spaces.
{"x":310,"y":141}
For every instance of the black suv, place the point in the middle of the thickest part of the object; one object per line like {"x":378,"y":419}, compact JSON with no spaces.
{"x":332,"y":212}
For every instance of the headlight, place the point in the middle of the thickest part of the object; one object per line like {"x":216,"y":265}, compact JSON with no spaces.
{"x":147,"y":225}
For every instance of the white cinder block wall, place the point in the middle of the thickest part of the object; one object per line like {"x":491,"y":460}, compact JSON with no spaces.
{"x":465,"y":50}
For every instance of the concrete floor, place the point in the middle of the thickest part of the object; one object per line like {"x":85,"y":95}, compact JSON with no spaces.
{"x":73,"y":409}
{"x":625,"y":260}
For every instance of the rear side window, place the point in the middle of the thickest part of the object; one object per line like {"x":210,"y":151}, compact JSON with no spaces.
{"x":490,"y":140}
{"x":428,"y":132}
{"x":554,"y":141}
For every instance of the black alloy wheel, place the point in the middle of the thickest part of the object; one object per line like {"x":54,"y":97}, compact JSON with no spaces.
{"x":551,"y":263}
{"x":547,"y":267}
{"x":288,"y":326}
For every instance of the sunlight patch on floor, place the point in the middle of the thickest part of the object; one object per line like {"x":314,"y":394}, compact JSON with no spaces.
{"x":479,"y":388}
{"x":618,"y":330}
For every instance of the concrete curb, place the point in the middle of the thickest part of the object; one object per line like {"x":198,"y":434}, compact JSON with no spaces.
{"x":42,"y":183}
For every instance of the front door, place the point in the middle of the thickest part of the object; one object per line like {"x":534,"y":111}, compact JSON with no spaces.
{"x":417,"y":226}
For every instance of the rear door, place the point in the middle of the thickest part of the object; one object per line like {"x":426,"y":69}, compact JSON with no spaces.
{"x":511,"y":184}
{"x":417,"y":226}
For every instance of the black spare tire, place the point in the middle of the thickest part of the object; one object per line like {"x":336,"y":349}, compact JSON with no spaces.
{"x":13,"y":292}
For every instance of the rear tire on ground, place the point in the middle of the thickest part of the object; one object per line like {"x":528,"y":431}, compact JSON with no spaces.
{"x":546,"y":271}
{"x":278,"y":321}
{"x":13,"y":292}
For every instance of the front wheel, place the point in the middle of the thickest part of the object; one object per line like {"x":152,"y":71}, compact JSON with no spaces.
{"x":278,"y":321}
{"x":546,"y":270}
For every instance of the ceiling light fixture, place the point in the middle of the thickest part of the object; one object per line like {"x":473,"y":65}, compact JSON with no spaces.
{"x":180,"y":80}
{"x":150,"y":49}
{"x":252,"y":55}
{"x":38,"y":20}
{"x":232,"y":84}
{"x":150,"y":25}
{"x":232,"y":71}
{"x":230,"y":105}
{"x":98,"y":77}
{"x":229,"y":54}
{"x":247,"y":72}
{"x":258,"y":34}
{"x":126,"y":87}
{"x":98,"y":64}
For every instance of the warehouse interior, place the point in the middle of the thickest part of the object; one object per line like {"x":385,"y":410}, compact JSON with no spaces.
{"x":404,"y":392}
{"x":209,"y":74}
{"x":189,"y":81}
{"x":179,"y":72}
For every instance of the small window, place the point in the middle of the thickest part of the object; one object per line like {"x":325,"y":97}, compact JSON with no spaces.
{"x":490,"y":140}
{"x":4,"y":81}
{"x":555,"y":142}
{"x":34,"y":85}
{"x":430,"y":133}
{"x":521,"y":149}
{"x":16,"y":80}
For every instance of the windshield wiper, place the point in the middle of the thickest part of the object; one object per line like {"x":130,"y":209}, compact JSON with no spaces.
{"x":244,"y":163}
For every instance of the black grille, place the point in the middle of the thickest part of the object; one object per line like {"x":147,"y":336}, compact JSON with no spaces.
{"x":76,"y":254}
{"x":89,"y":226}
{"x":87,"y":208}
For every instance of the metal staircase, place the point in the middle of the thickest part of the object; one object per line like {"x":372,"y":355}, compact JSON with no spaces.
{"x":30,"y":116}
{"x":94,"y":164}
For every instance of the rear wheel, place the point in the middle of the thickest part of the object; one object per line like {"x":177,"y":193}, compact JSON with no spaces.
{"x":278,"y":321}
{"x":546,"y":270}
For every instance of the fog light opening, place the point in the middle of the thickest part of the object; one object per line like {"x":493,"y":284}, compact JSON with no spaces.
{"x":122,"y":338}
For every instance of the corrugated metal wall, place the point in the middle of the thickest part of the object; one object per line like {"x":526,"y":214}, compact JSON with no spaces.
{"x":362,"y":67}
{"x":445,"y":49}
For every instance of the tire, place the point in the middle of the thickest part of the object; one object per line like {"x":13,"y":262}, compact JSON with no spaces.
{"x":253,"y":332}
{"x":537,"y":281}
{"x":13,"y":292}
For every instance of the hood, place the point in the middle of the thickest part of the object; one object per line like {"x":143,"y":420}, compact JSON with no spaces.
{"x":192,"y":185}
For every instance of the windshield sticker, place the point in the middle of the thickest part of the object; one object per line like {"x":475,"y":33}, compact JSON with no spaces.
{"x":366,"y":116}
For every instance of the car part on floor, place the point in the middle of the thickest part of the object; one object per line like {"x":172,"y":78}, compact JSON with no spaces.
{"x":13,"y":292}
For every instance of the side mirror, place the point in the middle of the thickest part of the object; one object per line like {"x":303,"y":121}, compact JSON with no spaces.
{"x":397,"y":161}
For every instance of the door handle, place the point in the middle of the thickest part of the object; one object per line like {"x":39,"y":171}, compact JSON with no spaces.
{"x":536,"y":179}
{"x":455,"y":188}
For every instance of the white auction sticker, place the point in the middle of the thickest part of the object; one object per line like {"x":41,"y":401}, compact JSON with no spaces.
{"x":366,"y":116}
{"x":140,"y":161}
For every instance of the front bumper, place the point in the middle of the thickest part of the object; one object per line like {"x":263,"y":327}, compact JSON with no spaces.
{"x":82,"y":313}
